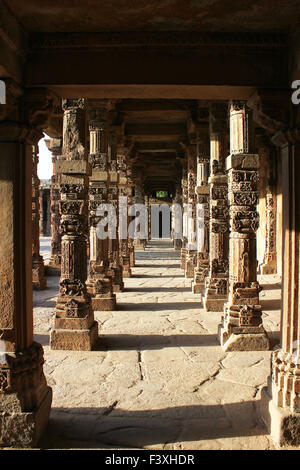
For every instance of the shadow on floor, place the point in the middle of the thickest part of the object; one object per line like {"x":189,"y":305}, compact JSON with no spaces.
{"x":113,"y":426}
{"x":275,"y":286}
{"x":270,"y":304}
{"x":158,"y":289}
{"x":161,"y":306}
{"x":120,"y":342}
{"x":158,"y":266}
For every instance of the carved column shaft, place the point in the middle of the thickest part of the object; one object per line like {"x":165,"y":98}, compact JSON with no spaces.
{"x":184,"y":186}
{"x":123,"y":211}
{"x":191,"y":254}
{"x":115,"y":268}
{"x":39,"y":280}
{"x":74,"y":325}
{"x":139,"y":198}
{"x":202,"y":212}
{"x":55,"y":147}
{"x":100,"y":284}
{"x":25,"y":399}
{"x":242,"y":329}
{"x":217,"y":280}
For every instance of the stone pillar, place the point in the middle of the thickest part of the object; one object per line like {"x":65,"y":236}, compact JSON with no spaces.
{"x":39,"y":280}
{"x":115,"y":268}
{"x":217,"y":281}
{"x":55,"y":147}
{"x":123,"y":211}
{"x":202,"y":213}
{"x":45,"y":217}
{"x":25,"y":398}
{"x":280,"y":404}
{"x":130,"y":202}
{"x":74,"y":325}
{"x":184,"y":185}
{"x":100,"y":285}
{"x":177,"y":242}
{"x":139,"y":198}
{"x":191,"y":253}
{"x":266,"y":153}
{"x":242,"y":324}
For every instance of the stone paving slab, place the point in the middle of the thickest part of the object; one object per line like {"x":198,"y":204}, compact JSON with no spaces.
{"x":159,"y":378}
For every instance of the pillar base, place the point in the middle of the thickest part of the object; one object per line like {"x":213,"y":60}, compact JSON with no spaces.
{"x":197,"y":288}
{"x":127,"y":273}
{"x":103,"y":303}
{"x":118,"y":287}
{"x":282,"y":425}
{"x":74,"y":340}
{"x":214,"y":304}
{"x":24,"y":429}
{"x":270,"y":268}
{"x":243,"y":341}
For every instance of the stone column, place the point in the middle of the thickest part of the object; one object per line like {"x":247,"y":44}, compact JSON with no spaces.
{"x":242,"y":324}
{"x":55,"y":147}
{"x":202,"y":213}
{"x":39,"y":280}
{"x":191,"y":253}
{"x":217,"y":281}
{"x":266,"y":153}
{"x":25,"y":399}
{"x":280,"y":404}
{"x":100,"y":285}
{"x":177,"y":242}
{"x":139,"y":198}
{"x":115,"y":268}
{"x":184,"y":185}
{"x":130,"y":186}
{"x":74,"y":325}
{"x":123,"y":211}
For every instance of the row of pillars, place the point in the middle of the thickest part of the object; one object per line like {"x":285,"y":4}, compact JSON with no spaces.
{"x":83,"y":181}
{"x":222,"y":195}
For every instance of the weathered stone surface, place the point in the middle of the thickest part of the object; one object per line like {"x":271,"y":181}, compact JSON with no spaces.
{"x":159,"y":379}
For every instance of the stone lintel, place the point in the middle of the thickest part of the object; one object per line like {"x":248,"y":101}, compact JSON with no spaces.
{"x":242,"y":161}
{"x":79,"y":167}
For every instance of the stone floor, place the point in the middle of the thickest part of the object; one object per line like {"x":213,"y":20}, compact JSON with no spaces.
{"x":158,"y":379}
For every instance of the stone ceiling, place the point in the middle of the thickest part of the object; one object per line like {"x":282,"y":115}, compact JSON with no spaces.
{"x":156,"y":15}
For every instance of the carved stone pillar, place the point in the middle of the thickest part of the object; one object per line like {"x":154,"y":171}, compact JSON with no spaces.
{"x":123,"y":212}
{"x":184,"y":186}
{"x":280,"y":405}
{"x":130,"y":200}
{"x":25,"y":399}
{"x":74,"y":325}
{"x":191,"y":253}
{"x":100,"y":285}
{"x":115,"y":268}
{"x":202,"y":213}
{"x":242,"y":324}
{"x":217,"y":281}
{"x":266,"y":153}
{"x":177,"y":242}
{"x":55,"y":147}
{"x":139,"y":198}
{"x":39,"y":280}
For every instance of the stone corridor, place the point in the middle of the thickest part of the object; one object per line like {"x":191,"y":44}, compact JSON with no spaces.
{"x":158,"y":379}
